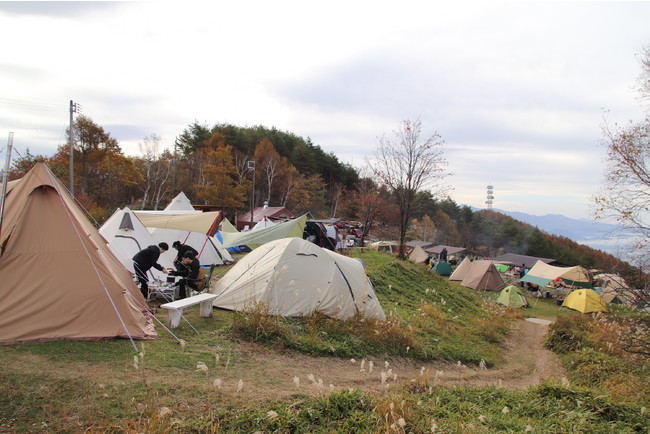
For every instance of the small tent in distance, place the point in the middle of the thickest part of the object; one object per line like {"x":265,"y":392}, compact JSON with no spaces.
{"x":585,"y":300}
{"x":294,"y":277}
{"x":483,"y":276}
{"x":60,"y":281}
{"x":461,"y":271}
{"x":512,"y":296}
{"x":418,"y":255}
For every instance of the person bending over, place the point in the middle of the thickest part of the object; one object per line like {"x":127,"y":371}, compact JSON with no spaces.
{"x":144,"y":260}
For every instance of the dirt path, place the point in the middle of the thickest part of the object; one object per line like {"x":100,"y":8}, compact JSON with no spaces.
{"x":269,"y":375}
{"x":528,"y":363}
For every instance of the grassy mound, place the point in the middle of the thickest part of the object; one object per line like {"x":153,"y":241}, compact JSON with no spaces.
{"x":428,"y":318}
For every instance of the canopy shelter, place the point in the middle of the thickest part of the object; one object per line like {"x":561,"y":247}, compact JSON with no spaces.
{"x":585,"y":300}
{"x":253,"y":239}
{"x":191,"y":229}
{"x":483,"y":276}
{"x":542,"y":274}
{"x":452,"y":252}
{"x":418,"y":255}
{"x":294,"y":277}
{"x":126,"y":236}
{"x":512,"y":296}
{"x":461,"y":271}
{"x":60,"y":281}
{"x":203,"y":223}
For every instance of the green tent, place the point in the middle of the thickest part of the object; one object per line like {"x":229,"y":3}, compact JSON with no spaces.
{"x":512,"y":296}
{"x":443,"y":268}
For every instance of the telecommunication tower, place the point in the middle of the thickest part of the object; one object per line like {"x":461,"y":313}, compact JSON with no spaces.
{"x":490,"y":197}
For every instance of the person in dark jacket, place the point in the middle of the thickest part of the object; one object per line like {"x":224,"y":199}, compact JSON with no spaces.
{"x":144,"y":260}
{"x":193,"y":275}
{"x":182,"y":250}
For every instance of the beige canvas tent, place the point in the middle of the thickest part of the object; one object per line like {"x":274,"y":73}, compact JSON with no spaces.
{"x":542,"y":274}
{"x":294,"y":277}
{"x":418,"y":255}
{"x":483,"y":276}
{"x":60,"y":281}
{"x":461,"y":271}
{"x":390,"y":246}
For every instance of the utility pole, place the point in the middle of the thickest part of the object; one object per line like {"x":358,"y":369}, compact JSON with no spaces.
{"x":5,"y":177}
{"x":73,"y":109}
{"x":251,"y":168}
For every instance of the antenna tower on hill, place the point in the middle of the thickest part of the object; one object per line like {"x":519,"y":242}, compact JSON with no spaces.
{"x":490,"y":197}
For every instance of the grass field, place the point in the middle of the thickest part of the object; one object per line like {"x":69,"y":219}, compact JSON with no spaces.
{"x":248,"y":372}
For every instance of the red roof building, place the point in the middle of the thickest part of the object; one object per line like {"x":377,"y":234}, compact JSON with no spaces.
{"x":271,"y":212}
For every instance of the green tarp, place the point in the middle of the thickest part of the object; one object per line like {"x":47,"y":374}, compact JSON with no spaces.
{"x":253,"y":239}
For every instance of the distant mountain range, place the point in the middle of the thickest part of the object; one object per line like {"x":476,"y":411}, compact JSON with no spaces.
{"x":602,"y":236}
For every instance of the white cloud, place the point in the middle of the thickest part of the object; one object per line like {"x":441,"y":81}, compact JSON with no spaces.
{"x":515,"y":88}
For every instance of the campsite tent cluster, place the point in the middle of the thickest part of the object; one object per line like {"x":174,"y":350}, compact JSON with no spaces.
{"x":63,"y":279}
{"x":485,"y":275}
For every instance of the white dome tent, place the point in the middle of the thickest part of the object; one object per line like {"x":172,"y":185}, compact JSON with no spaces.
{"x":294,"y":277}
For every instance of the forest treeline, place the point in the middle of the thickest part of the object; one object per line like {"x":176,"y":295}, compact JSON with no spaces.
{"x":230,"y":167}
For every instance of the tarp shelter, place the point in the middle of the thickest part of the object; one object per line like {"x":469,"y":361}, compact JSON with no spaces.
{"x":512,"y":296}
{"x":60,"y":281}
{"x":585,"y":300}
{"x":253,"y":239}
{"x":203,"y":223}
{"x":294,"y":277}
{"x":452,"y":252}
{"x":418,"y":255}
{"x":461,"y":271}
{"x":190,"y":229}
{"x":542,"y":274}
{"x":483,"y":276}
{"x":126,"y":236}
{"x":442,"y":268}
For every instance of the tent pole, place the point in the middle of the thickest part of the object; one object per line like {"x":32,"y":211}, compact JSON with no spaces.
{"x":5,"y":176}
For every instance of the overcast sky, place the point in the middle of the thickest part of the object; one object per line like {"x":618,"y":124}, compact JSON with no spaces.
{"x":518,"y":90}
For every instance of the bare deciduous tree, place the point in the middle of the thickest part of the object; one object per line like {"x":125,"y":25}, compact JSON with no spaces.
{"x":157,"y":171}
{"x":625,"y":193}
{"x":407,"y":164}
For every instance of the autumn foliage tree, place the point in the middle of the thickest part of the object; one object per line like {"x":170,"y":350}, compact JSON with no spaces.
{"x":218,"y":175}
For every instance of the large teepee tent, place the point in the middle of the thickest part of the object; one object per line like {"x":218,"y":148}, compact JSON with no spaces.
{"x":483,"y":276}
{"x":294,"y":277}
{"x":60,"y":281}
